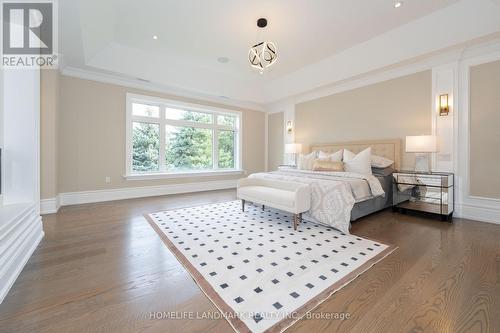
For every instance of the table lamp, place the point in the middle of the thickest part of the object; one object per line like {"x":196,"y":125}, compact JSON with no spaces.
{"x":422,"y":145}
{"x":293,"y":149}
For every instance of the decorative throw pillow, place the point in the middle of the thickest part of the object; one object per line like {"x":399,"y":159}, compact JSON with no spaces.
{"x":358,"y":163}
{"x":327,"y":165}
{"x":336,"y":157}
{"x":381,"y":162}
{"x":306,"y":162}
{"x":348,"y":155}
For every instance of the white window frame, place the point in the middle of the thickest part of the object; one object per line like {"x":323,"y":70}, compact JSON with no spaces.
{"x":162,"y":121}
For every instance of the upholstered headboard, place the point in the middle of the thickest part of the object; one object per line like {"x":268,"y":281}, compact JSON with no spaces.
{"x":387,"y":148}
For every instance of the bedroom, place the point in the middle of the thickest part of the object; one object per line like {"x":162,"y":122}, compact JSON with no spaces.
{"x":270,"y":166}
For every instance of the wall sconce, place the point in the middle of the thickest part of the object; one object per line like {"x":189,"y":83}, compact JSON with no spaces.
{"x":444,"y":107}
{"x":289,"y":128}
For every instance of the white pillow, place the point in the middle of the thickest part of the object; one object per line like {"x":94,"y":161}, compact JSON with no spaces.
{"x":381,"y":162}
{"x":306,"y":162}
{"x":334,"y":157}
{"x":348,"y":155}
{"x":358,"y":163}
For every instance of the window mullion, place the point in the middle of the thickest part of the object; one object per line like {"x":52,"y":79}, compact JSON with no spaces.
{"x":129,"y":137}
{"x":225,"y":127}
{"x":162,"y":154}
{"x":237,"y":151}
{"x":149,"y":120}
{"x":215,"y":148}
{"x":238,"y":154}
{"x":187,"y":123}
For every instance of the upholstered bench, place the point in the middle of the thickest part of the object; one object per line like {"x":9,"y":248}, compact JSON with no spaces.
{"x":290,"y":197}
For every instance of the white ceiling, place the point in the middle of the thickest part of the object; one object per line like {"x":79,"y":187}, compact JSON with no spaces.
{"x":115,"y":36}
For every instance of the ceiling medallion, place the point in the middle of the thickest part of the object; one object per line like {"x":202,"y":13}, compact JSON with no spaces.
{"x":263,"y":54}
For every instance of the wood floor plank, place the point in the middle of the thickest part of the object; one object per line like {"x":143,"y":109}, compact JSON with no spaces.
{"x":102,"y":268}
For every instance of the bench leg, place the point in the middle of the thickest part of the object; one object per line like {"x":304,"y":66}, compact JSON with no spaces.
{"x":242,"y":205}
{"x":297,"y":218}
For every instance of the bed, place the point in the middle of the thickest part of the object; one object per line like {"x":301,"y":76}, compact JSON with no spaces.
{"x":341,"y":197}
{"x":390,"y":149}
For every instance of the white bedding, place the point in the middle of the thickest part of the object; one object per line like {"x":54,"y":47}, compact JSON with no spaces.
{"x":333,"y":193}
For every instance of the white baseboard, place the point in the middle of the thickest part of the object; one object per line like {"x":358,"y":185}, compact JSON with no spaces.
{"x":479,"y":213}
{"x":77,"y":198}
{"x":49,"y":206}
{"x":486,"y":213}
{"x":23,"y":241}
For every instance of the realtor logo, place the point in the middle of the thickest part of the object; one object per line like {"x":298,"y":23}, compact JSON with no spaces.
{"x":28,"y":34}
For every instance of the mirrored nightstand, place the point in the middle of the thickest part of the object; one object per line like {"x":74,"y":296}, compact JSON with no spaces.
{"x":431,"y":192}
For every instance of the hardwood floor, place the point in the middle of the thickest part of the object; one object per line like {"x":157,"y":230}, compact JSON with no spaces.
{"x":102,"y":268}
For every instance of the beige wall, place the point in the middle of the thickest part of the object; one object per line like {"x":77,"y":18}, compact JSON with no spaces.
{"x":386,"y":110}
{"x":275,"y":125}
{"x":485,"y":130}
{"x":49,"y":113}
{"x":91,"y":139}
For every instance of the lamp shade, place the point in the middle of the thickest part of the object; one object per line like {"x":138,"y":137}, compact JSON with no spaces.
{"x":421,"y":144}
{"x":293,"y":148}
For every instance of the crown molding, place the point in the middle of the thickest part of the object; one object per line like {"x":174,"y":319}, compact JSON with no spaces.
{"x":412,"y":66}
{"x":420,"y":64}
{"x":117,"y":79}
{"x":377,"y":77}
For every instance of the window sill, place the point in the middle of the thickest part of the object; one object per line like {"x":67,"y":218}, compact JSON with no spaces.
{"x":167,"y":175}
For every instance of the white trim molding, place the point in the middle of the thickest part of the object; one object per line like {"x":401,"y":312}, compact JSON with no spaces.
{"x":169,"y":175}
{"x":83,"y":197}
{"x":20,"y":235}
{"x":444,"y":81}
{"x":49,"y":206}
{"x":469,"y":206}
{"x":137,"y":83}
{"x":481,"y":209}
{"x":378,"y":76}
{"x":52,"y":205}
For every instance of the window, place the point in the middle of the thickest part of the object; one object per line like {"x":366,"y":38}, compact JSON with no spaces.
{"x":172,"y":138}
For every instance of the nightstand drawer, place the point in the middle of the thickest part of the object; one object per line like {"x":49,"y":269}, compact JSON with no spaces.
{"x":437,"y":180}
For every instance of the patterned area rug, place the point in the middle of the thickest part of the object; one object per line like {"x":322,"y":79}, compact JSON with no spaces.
{"x":260,"y":273}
